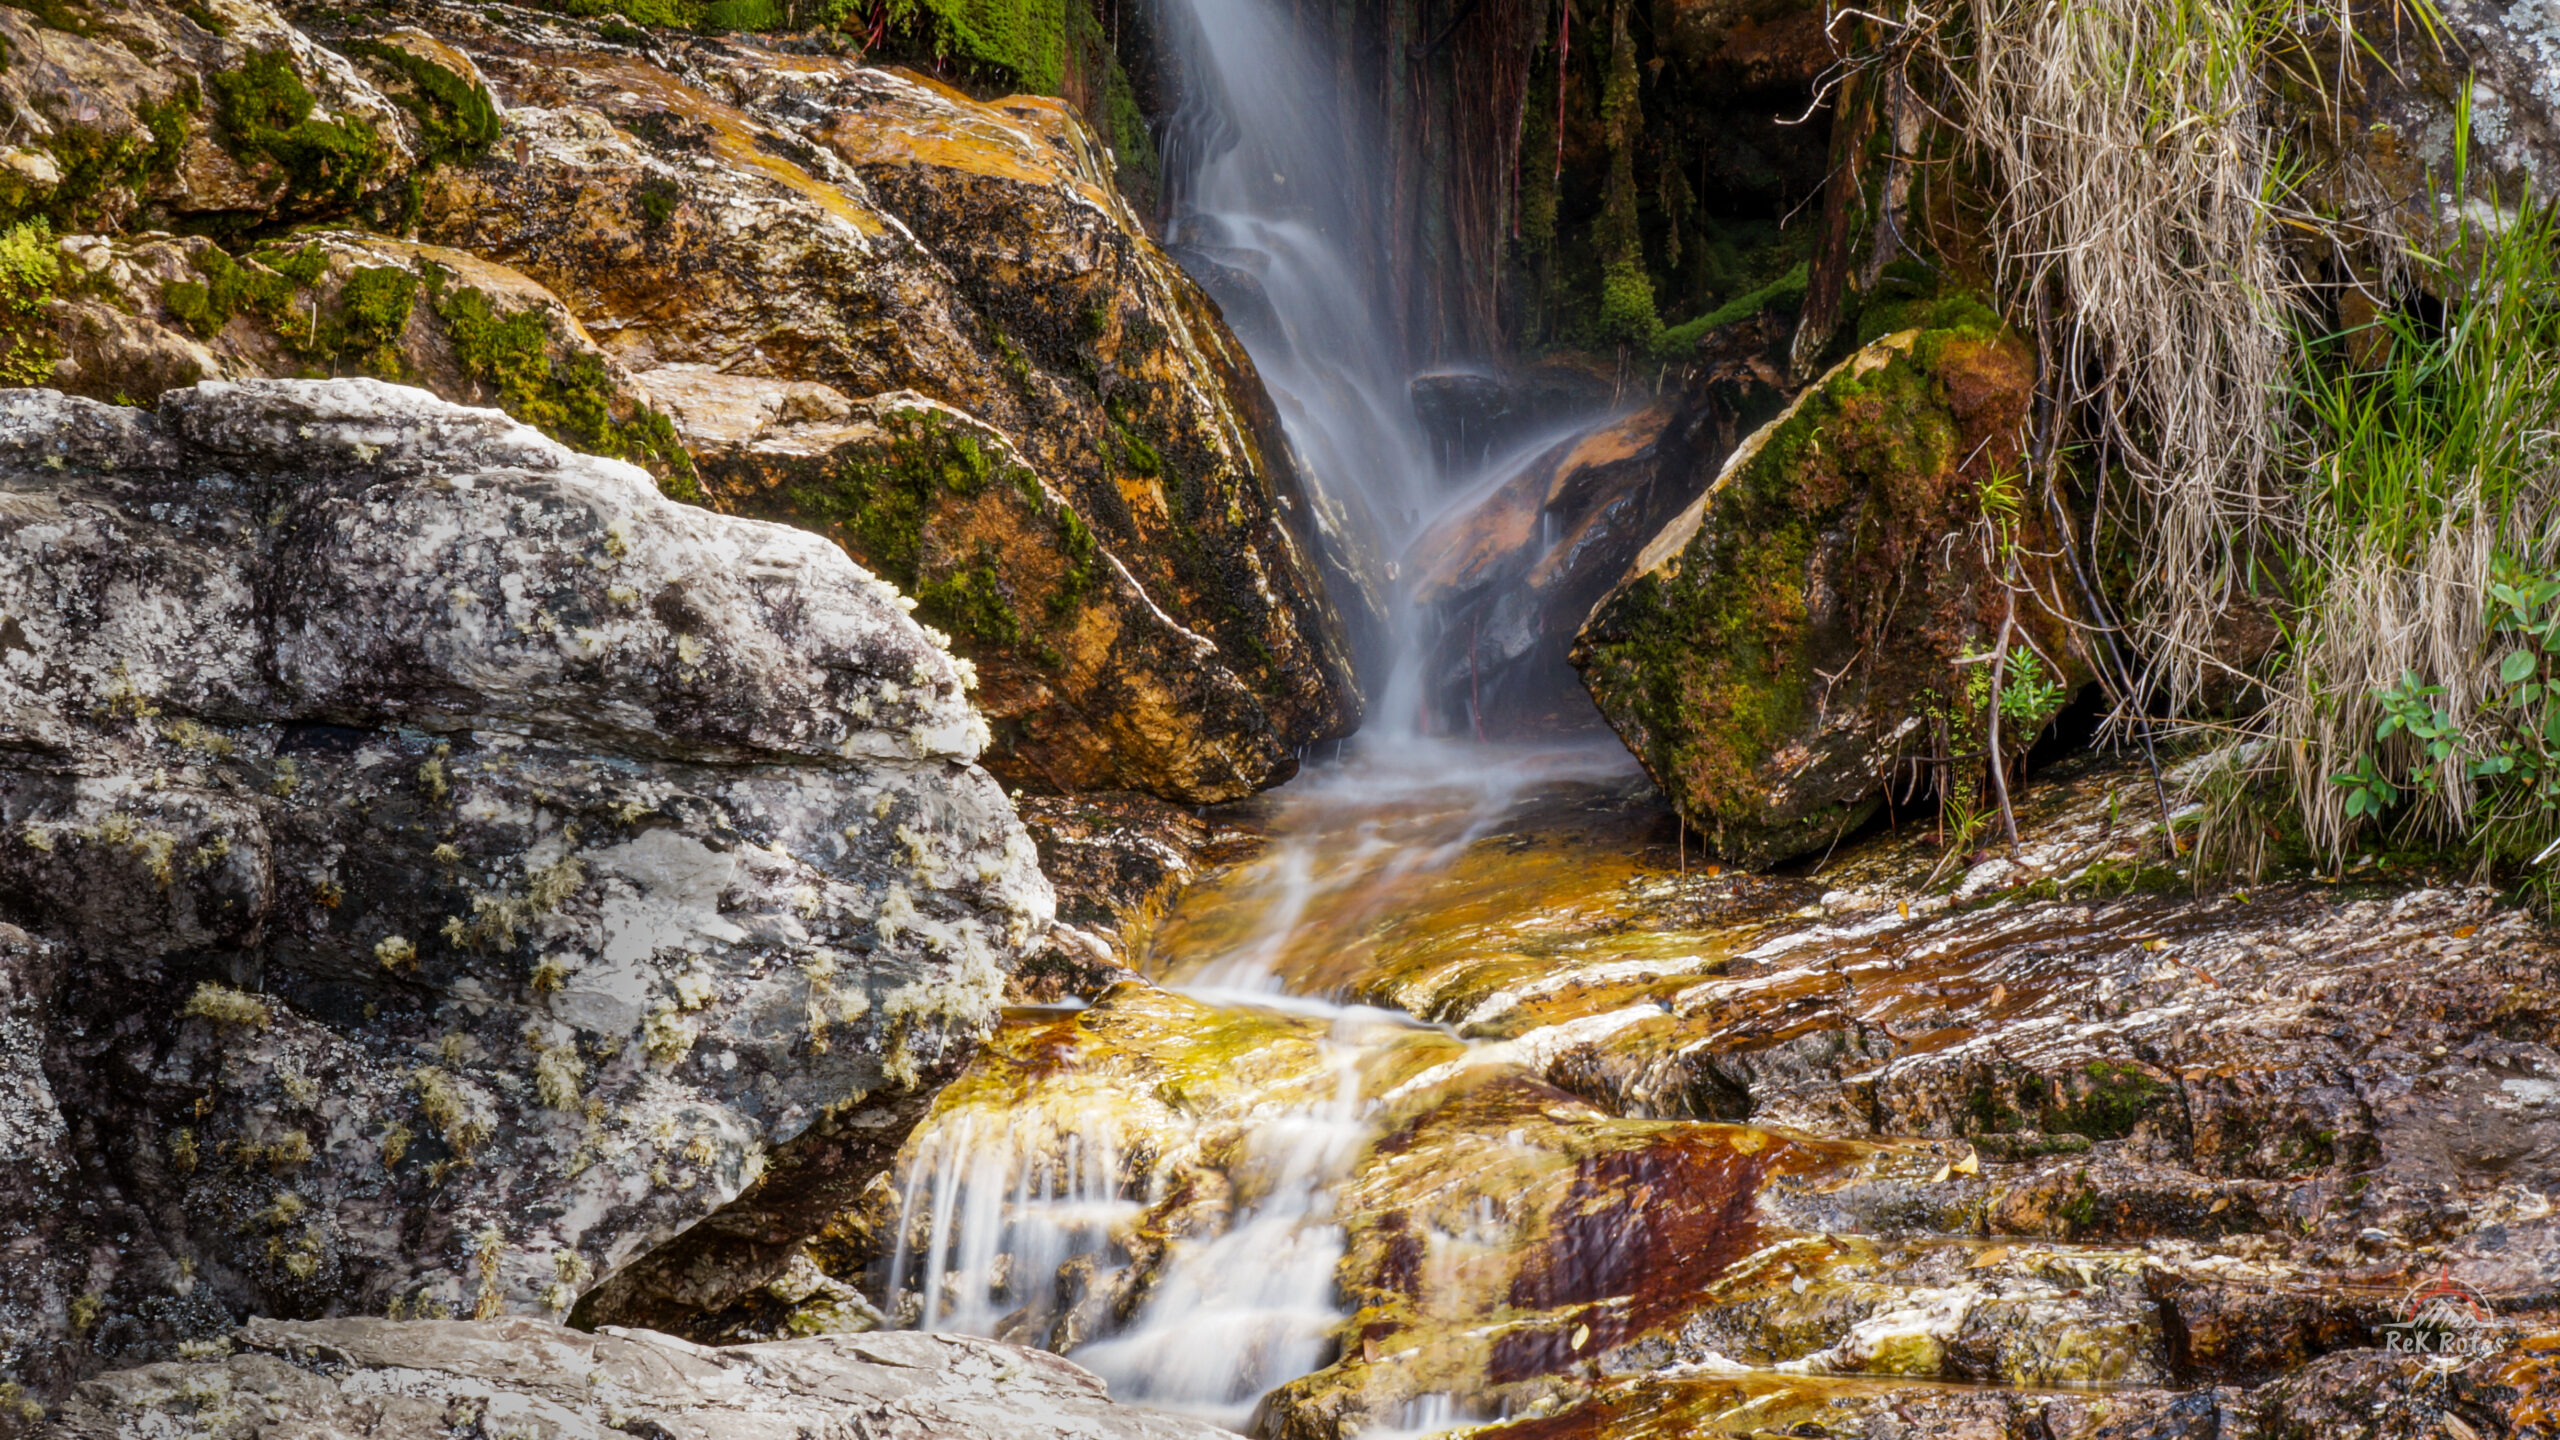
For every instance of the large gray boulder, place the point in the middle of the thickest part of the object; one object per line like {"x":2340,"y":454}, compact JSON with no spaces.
{"x":426,"y":1380}
{"x":438,"y":868}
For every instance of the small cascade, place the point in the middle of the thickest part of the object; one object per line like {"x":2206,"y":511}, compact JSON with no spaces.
{"x":1236,"y":1313}
{"x":1166,"y":1215}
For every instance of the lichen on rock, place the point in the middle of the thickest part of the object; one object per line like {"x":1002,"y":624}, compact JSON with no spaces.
{"x":478,"y":770}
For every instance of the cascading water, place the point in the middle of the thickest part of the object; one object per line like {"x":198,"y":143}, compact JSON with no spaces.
{"x":1009,"y":1221}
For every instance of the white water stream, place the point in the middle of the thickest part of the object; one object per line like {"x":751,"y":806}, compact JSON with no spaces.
{"x":1275,"y":190}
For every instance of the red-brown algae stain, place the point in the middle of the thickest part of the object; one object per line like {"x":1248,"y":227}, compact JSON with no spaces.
{"x":1640,"y":1234}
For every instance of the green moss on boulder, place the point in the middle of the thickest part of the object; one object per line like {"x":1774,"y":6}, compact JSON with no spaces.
{"x":1776,"y":647}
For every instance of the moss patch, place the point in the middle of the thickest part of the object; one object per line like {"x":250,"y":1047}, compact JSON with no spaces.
{"x":1709,"y":666}
{"x":457,"y":121}
{"x":30,"y":269}
{"x":566,"y":394}
{"x":265,"y":111}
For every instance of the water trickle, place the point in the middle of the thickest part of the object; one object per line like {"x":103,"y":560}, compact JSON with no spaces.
{"x":1174,"y":1233}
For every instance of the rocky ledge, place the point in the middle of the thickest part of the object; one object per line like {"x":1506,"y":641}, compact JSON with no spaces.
{"x":442,"y":867}
{"x":426,"y":1380}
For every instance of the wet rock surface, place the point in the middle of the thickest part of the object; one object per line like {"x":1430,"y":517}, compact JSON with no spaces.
{"x":1918,"y":1145}
{"x":800,"y":218}
{"x":578,"y":206}
{"x":444,"y":868}
{"x":1780,"y":647}
{"x":422,"y":1379}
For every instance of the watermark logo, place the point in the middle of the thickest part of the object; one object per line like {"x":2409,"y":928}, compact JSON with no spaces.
{"x":2442,"y":1322}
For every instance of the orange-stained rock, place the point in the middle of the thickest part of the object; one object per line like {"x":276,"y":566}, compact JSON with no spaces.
{"x":725,"y":210}
{"x":1512,"y":579}
{"x":1089,"y":682}
{"x":139,"y":317}
{"x":125,"y":122}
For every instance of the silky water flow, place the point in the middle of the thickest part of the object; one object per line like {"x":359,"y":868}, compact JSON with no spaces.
{"x":1003,"y":1206}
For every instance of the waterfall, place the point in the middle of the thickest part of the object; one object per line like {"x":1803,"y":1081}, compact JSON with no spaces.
{"x":1008,"y":1221}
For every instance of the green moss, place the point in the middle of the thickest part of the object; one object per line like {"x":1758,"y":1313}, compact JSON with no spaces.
{"x":970,"y":602}
{"x":96,"y":167}
{"x":2104,"y":1101}
{"x":457,"y":121}
{"x":228,"y":288}
{"x":1707,"y":666}
{"x":168,"y":123}
{"x":30,"y":270}
{"x":658,"y":198}
{"x":54,"y":14}
{"x":725,"y":15}
{"x":373,"y":313}
{"x":1626,"y":306}
{"x":881,"y":503}
{"x":567,"y":395}
{"x":1784,"y":293}
{"x":205,"y":19}
{"x":266,"y":113}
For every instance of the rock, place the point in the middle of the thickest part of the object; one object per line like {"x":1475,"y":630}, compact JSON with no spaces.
{"x":1117,"y":862}
{"x":723,"y":209}
{"x":1474,"y":414}
{"x":140,"y":317}
{"x":420,"y":1380}
{"x":453,"y":867}
{"x":152,"y":112}
{"x":1089,"y":683}
{"x":1810,"y":621}
{"x":1511,"y":580}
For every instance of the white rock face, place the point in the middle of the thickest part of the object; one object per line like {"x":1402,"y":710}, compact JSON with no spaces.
{"x":424,"y":1380}
{"x":451,"y":867}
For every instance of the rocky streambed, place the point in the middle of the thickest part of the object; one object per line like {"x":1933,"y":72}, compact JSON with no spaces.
{"x":1463,"y":1098}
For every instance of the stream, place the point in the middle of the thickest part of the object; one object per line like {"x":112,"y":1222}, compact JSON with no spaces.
{"x":1472,"y":1098}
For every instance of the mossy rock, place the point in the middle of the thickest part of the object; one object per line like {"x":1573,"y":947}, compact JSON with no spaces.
{"x":1791,"y":635}
{"x":1087,"y":681}
{"x":135,"y":319}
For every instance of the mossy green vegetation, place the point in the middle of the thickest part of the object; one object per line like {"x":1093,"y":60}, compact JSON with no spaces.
{"x":70,"y":16}
{"x":30,"y":269}
{"x":265,"y":112}
{"x":566,"y":394}
{"x":457,"y":120}
{"x":1709,"y":666}
{"x":884,"y":503}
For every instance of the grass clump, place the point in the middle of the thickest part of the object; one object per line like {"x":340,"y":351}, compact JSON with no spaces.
{"x":2422,"y":693}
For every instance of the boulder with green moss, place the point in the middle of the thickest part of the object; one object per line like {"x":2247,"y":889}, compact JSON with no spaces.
{"x":1087,"y":680}
{"x":801,"y":219}
{"x":126,"y":320}
{"x":224,"y":115}
{"x":1819,"y":614}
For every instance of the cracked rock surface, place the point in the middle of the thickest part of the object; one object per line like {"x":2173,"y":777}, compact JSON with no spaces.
{"x":441,"y":867}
